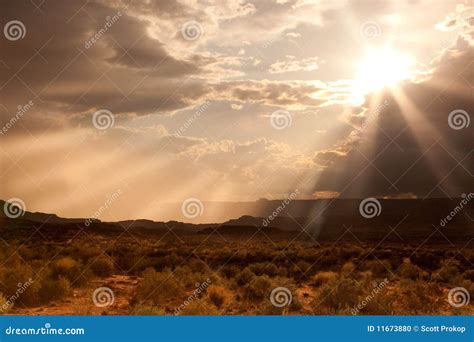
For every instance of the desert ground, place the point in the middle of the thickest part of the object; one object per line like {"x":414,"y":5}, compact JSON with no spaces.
{"x":109,"y":269}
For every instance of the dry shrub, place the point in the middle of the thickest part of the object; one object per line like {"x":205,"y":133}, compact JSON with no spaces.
{"x":147,"y":310}
{"x":418,"y":298}
{"x":378,"y":268}
{"x":230,"y":271}
{"x":448,"y":272}
{"x":323,"y":277}
{"x":244,"y":277}
{"x":158,"y":287}
{"x":12,"y":280}
{"x":469,"y":275}
{"x":301,"y":269}
{"x":258,"y":288}
{"x":218,"y":295}
{"x":350,"y":252}
{"x":469,"y":286}
{"x":262,"y":268}
{"x":188,"y":278}
{"x":200,"y":307}
{"x":328,"y":261}
{"x":3,"y":303}
{"x":84,"y":251}
{"x":54,"y":289}
{"x":338,"y":295}
{"x":103,"y":266}
{"x":409,"y":271}
{"x":347,"y":269}
{"x":70,"y":269}
{"x":377,"y":298}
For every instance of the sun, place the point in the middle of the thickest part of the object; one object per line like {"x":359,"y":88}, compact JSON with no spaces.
{"x":382,"y":67}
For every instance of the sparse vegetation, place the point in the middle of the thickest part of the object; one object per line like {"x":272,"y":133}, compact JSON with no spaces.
{"x":171,"y":275}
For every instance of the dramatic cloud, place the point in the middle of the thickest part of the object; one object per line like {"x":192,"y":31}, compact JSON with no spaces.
{"x":229,"y":100}
{"x":412,"y":144}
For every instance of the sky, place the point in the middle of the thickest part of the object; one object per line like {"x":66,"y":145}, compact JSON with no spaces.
{"x":133,"y":104}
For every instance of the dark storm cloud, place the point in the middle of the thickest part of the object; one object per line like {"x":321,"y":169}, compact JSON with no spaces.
{"x":412,"y":148}
{"x":72,"y":61}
